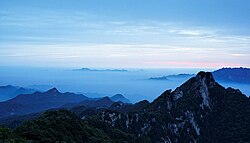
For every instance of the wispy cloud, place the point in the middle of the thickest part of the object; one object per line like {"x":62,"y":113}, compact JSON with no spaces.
{"x":79,"y":38}
{"x":129,"y":55}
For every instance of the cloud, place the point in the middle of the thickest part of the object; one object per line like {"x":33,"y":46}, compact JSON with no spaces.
{"x":78,"y":38}
{"x":238,"y":55}
{"x":135,"y":55}
{"x":76,"y":26}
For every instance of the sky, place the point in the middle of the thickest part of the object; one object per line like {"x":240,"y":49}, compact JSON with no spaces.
{"x":125,"y":33}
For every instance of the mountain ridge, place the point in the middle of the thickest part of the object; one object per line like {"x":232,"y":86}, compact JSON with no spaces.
{"x":8,"y":92}
{"x":185,"y":114}
{"x":233,"y":75}
{"x":200,"y":110}
{"x":102,"y":70}
{"x":38,"y":101}
{"x":119,"y":97}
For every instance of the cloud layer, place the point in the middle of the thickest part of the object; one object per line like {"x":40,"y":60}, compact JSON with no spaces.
{"x":77,"y":38}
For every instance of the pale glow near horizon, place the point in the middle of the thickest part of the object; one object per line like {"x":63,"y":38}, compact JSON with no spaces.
{"x":74,"y":35}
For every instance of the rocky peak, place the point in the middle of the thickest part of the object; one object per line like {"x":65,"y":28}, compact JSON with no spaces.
{"x":196,"y":89}
{"x":53,"y":90}
{"x":205,"y":76}
{"x":181,"y":113}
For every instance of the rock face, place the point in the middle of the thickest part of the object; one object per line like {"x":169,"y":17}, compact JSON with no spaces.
{"x":200,"y":110}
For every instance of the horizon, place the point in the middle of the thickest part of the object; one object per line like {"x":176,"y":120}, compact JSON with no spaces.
{"x":134,"y":84}
{"x":124,"y":71}
{"x":125,"y":34}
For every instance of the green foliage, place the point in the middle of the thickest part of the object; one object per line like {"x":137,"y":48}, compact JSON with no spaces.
{"x":59,"y":126}
{"x":115,"y":134}
{"x":7,"y":136}
{"x":64,"y":126}
{"x":229,"y":121}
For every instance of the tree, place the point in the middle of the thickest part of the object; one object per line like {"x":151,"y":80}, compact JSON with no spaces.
{"x":5,"y":135}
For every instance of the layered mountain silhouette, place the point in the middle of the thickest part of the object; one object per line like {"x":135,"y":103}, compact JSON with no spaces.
{"x":119,"y":97}
{"x":87,"y":106}
{"x":38,"y":101}
{"x":103,"y":102}
{"x":200,"y":110}
{"x":102,"y":70}
{"x":9,"y":92}
{"x":175,"y":76}
{"x":238,"y":75}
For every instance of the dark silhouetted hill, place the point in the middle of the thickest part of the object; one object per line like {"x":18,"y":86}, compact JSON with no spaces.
{"x":238,"y":75}
{"x":9,"y":92}
{"x":38,"y":101}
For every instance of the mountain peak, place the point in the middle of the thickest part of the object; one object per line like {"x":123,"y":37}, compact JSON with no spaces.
{"x":53,"y":90}
{"x":196,"y":89}
{"x":105,"y":98}
{"x":119,"y":97}
{"x":207,"y":75}
{"x":205,"y":78}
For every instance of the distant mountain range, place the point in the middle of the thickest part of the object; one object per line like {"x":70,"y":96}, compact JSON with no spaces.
{"x":200,"y":110}
{"x":9,"y":92}
{"x":104,"y":102}
{"x":90,"y":104}
{"x":40,"y":101}
{"x":169,"y":77}
{"x":238,"y":75}
{"x":102,"y":70}
{"x":119,"y":97}
{"x":40,"y":87}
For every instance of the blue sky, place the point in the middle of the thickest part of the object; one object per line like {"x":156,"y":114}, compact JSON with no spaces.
{"x":125,"y":33}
